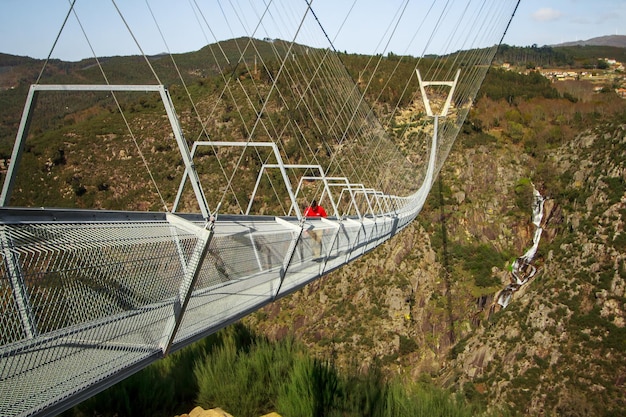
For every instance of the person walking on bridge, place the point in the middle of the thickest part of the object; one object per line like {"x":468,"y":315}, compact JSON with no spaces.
{"x":315,"y":210}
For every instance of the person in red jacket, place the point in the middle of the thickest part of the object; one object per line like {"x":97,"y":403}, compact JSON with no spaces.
{"x":315,"y":210}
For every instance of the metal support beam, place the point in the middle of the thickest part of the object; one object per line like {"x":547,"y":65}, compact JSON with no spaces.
{"x":272,"y":145}
{"x":190,"y":168}
{"x":191,"y":270}
{"x":339,"y":182}
{"x":322,"y":177}
{"x":294,"y":201}
{"x":18,"y":147}
{"x":298,"y":229}
{"x":451,"y":84}
{"x":353,"y":189}
{"x":167,"y":104}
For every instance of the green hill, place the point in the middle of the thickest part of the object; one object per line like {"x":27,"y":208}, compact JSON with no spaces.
{"x":577,"y":56}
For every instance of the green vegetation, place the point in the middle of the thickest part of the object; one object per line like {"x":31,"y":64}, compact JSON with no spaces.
{"x":510,"y":86}
{"x":525,"y":113}
{"x":562,"y":56}
{"x":524,"y":195}
{"x":478,"y":260}
{"x":539,"y":116}
{"x":247,"y":376}
{"x":524,"y":109}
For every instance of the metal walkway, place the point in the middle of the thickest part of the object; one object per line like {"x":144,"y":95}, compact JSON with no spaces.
{"x":95,"y":296}
{"x":90,"y":297}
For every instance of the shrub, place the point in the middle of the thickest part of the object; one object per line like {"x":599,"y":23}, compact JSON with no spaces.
{"x":478,"y":260}
{"x":524,"y":195}
{"x":614,"y":189}
{"x":407,"y":345}
{"x":232,"y":369}
{"x":164,"y":388}
{"x":248,"y":376}
{"x":311,"y":391}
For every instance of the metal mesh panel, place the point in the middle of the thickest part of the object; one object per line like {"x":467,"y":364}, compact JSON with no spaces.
{"x":9,"y":316}
{"x":236,"y":277}
{"x":82,"y":301}
{"x":76,"y":273}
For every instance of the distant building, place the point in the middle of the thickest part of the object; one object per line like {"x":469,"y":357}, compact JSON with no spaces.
{"x":561,"y":75}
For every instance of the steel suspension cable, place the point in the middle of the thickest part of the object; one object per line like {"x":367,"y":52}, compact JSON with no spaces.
{"x":69,"y":12}
{"x":251,"y":132}
{"x":119,"y":107}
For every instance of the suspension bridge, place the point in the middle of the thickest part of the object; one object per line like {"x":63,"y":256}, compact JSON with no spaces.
{"x":91,"y":295}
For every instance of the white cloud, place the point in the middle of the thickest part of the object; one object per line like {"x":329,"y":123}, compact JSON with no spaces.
{"x":546,"y":14}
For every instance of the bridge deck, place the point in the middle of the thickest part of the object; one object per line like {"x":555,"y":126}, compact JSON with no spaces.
{"x":91,"y":297}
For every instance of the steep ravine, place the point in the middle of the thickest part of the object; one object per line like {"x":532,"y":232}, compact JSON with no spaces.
{"x":395,"y":305}
{"x":557,"y":345}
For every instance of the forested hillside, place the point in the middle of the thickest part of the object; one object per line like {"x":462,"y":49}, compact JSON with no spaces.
{"x":572,"y":57}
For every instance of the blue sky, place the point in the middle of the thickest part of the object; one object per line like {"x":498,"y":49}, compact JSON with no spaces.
{"x":549,"y":22}
{"x":29,"y":27}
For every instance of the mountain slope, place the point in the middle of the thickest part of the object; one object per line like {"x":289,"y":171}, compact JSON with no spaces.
{"x":618,"y":41}
{"x":557,"y":349}
{"x":423,"y":305}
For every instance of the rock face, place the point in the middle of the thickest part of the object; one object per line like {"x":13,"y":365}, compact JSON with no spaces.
{"x":201,"y":412}
{"x":414,"y":308}
{"x":397,"y":305}
{"x":216,"y":412}
{"x":557,"y":350}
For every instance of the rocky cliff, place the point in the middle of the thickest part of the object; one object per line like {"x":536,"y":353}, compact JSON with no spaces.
{"x":423,"y":305}
{"x":559,"y":348}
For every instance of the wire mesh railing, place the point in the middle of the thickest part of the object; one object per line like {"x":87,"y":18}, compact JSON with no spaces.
{"x":88,"y":298}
